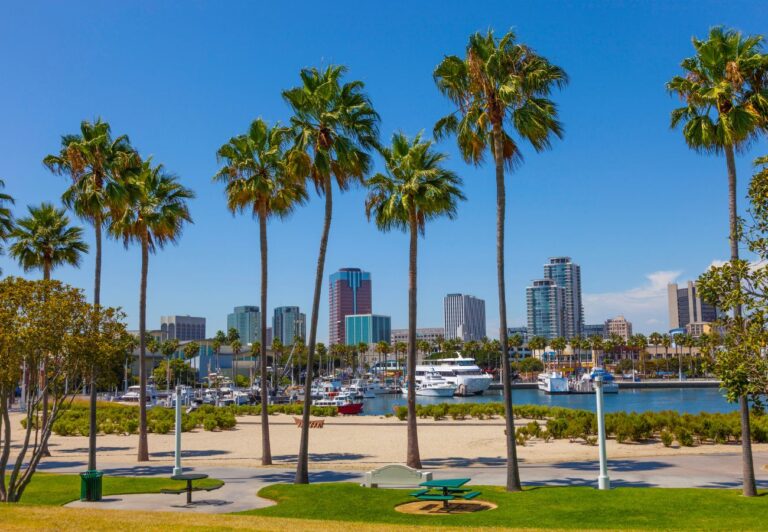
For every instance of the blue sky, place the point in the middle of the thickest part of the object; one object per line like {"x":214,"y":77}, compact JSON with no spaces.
{"x":620,"y":193}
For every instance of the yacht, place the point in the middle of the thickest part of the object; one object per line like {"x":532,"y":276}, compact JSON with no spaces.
{"x":344,"y":402}
{"x":360,"y":389}
{"x":461,"y":372}
{"x":432,"y":384}
{"x":553,"y":382}
{"x":586,"y":384}
{"x":131,"y":397}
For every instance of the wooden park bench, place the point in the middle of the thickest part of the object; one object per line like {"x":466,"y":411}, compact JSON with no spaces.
{"x":313,"y":423}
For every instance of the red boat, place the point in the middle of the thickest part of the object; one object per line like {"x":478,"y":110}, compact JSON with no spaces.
{"x":343,"y":402}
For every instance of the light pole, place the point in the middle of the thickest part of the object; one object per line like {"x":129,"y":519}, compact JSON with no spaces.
{"x":603,"y":482}
{"x":177,"y":465}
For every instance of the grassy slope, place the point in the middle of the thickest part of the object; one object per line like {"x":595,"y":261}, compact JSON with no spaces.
{"x":52,"y":489}
{"x":578,"y":508}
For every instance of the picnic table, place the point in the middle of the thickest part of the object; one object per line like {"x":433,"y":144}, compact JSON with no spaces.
{"x":448,"y":489}
{"x":189,"y":478}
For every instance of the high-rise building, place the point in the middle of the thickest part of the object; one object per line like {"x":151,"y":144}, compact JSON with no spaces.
{"x":464,"y":317}
{"x":593,"y":329}
{"x":546,"y":309}
{"x":349,"y":293}
{"x":686,"y":307}
{"x":289,"y":323}
{"x":367,"y":328}
{"x":620,"y":326}
{"x":522,"y":331}
{"x":247,"y":321}
{"x":430,"y":334}
{"x":182,"y":328}
{"x":567,"y":275}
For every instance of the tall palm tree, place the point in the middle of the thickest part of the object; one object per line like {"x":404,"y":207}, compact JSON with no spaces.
{"x":724,"y":90}
{"x":655,"y":340}
{"x":414,"y":189}
{"x":220,"y":339}
{"x":167,"y":349}
{"x":256,"y":179}
{"x":500,"y":89}
{"x":6,"y":218}
{"x":596,"y":344}
{"x":95,"y":162}
{"x":154,"y":218}
{"x":335,"y":127}
{"x":43,"y":241}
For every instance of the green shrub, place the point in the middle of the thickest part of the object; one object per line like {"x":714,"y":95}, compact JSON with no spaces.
{"x":667,"y":438}
{"x":684,"y":437}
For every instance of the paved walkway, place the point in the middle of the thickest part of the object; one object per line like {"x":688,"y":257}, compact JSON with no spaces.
{"x":242,"y":484}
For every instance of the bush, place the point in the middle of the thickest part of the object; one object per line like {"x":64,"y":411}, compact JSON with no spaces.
{"x":667,"y":438}
{"x":684,"y":437}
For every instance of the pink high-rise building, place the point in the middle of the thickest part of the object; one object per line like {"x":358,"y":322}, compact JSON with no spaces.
{"x":349,"y":293}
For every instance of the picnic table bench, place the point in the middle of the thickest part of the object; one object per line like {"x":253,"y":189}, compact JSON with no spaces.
{"x":189,"y":478}
{"x":448,"y":489}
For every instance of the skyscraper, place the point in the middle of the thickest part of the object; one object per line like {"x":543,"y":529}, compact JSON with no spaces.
{"x":619,"y":326}
{"x":464,"y":317}
{"x":567,"y":275}
{"x":247,"y":321}
{"x":289,"y":323}
{"x":368,"y":328}
{"x":182,"y":328}
{"x":686,"y":307}
{"x":545,"y":300}
{"x":349,"y":293}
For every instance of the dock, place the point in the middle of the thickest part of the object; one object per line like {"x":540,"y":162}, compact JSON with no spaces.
{"x":628,"y":385}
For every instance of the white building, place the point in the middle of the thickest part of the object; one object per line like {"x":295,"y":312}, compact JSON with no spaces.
{"x":464,"y":317}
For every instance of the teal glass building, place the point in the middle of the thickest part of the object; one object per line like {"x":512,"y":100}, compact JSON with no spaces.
{"x":368,"y":328}
{"x":246,"y":320}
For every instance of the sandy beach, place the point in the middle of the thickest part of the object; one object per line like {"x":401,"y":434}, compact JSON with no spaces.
{"x":355,"y":442}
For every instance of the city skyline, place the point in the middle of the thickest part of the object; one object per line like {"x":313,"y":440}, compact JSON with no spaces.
{"x":580,"y":172}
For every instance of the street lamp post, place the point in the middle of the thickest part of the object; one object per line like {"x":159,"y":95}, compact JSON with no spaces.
{"x":603,"y":482}
{"x":177,"y":465}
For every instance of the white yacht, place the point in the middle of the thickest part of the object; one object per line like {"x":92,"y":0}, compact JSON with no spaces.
{"x":432,"y":384}
{"x":553,"y":382}
{"x":131,"y":397}
{"x":461,"y":372}
{"x":360,"y":389}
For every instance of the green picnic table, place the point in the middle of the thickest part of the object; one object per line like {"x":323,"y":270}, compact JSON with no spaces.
{"x":448,"y":490}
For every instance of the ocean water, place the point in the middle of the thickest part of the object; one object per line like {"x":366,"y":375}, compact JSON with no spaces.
{"x":691,"y":400}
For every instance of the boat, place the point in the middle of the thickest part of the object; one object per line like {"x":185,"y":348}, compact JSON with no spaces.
{"x":553,"y":382}
{"x":132,"y":396}
{"x":460,"y":371}
{"x":344,"y":402}
{"x":432,"y":384}
{"x":359,"y":388}
{"x":586,"y":384}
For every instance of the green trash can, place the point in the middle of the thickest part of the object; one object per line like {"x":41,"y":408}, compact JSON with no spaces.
{"x":90,"y":485}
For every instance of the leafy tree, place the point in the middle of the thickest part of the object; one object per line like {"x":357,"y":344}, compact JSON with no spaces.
{"x":191,"y":350}
{"x":179,"y":371}
{"x":335,"y":127}
{"x":6,"y":218}
{"x":155,"y":217}
{"x":167,"y":349}
{"x":46,"y":323}
{"x":500,"y":89}
{"x":257,"y":181}
{"x":530,"y":364}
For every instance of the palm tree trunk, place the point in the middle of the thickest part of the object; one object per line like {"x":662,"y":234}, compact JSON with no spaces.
{"x":302,"y":473}
{"x":92,"y":396}
{"x":749,"y":488}
{"x":513,"y":472}
{"x":413,"y":459}
{"x":143,"y":447}
{"x":266,"y":450}
{"x":44,"y":370}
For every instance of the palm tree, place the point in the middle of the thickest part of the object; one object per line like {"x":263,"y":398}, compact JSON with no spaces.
{"x":232,"y":336}
{"x":95,"y":162}
{"x":666,"y":341}
{"x":414,"y":189}
{"x":335,"y":128}
{"x":43,"y":241}
{"x":257,"y":180}
{"x":655,"y":340}
{"x":421,"y":345}
{"x":322,"y":351}
{"x":218,"y":340}
{"x":6,"y":218}
{"x":167,"y":349}
{"x":362,"y":349}
{"x":501,"y":87}
{"x":596,"y":344}
{"x":723,"y":87}
{"x":236,"y":345}
{"x":155,"y":217}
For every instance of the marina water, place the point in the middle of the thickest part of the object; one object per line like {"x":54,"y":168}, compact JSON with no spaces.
{"x":683,"y":400}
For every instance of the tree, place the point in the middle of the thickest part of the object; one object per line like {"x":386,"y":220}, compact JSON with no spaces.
{"x":596,"y":344}
{"x":155,"y":217}
{"x":219,"y":340}
{"x":46,"y":323}
{"x":167,"y":349}
{"x":191,"y":350}
{"x":95,"y":162}
{"x":257,"y":180}
{"x":414,"y":189}
{"x":724,"y":90}
{"x":322,"y":351}
{"x":500,"y":88}
{"x":558,"y":344}
{"x":6,"y":218}
{"x":43,"y":241}
{"x":421,"y":345}
{"x":234,"y":336}
{"x":335,"y":127}
{"x":176,"y":370}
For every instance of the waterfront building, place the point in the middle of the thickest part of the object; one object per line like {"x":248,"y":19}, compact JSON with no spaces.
{"x":247,"y":321}
{"x":567,"y":275}
{"x":593,"y":329}
{"x":464,"y":317}
{"x":288,"y":323}
{"x":546,"y":309}
{"x":620,"y":326}
{"x":522,"y":331}
{"x":685,"y":306}
{"x":430,"y":334}
{"x":349,"y":293}
{"x":156,"y":334}
{"x":182,"y":328}
{"x":367,"y":328}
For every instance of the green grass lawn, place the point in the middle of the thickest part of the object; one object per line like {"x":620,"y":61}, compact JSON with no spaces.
{"x":53,"y":489}
{"x":558,"y":507}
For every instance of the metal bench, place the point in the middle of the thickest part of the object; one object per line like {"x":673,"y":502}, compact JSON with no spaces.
{"x":444,"y":498}
{"x":471,"y":495}
{"x":418,"y":493}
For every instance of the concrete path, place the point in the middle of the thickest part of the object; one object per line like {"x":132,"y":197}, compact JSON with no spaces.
{"x":242,"y":484}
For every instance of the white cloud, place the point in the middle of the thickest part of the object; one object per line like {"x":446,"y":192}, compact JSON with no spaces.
{"x":645,"y":306}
